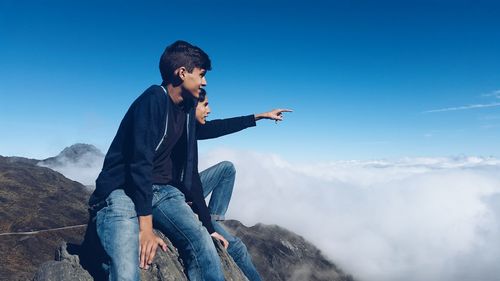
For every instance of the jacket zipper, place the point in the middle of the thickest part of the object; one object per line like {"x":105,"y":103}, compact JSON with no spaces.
{"x":166,"y":121}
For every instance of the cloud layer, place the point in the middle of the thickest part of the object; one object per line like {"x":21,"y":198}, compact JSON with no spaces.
{"x":407,"y":219}
{"x":410,"y":219}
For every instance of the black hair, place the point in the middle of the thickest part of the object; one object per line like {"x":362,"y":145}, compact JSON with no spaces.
{"x":181,"y":53}
{"x":203,"y":95}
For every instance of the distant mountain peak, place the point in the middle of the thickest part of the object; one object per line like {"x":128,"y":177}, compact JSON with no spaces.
{"x":80,"y":162}
{"x":79,"y":153}
{"x":78,"y":149}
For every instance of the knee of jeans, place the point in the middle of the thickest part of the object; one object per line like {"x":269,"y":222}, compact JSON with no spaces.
{"x":217,"y":217}
{"x":237,"y":248}
{"x":228,"y":167}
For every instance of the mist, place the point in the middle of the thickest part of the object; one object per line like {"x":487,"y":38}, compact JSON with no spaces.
{"x":405,"y":219}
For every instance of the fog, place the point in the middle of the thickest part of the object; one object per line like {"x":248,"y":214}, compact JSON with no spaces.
{"x":404,"y":219}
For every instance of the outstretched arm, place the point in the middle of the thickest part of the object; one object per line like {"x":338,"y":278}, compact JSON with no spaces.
{"x":275,"y":114}
{"x":217,"y":128}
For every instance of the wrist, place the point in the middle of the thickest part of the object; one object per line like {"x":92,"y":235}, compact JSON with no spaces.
{"x":259,"y":116}
{"x":146,"y":223}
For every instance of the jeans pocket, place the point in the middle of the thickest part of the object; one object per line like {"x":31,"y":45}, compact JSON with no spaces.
{"x":166,"y":192}
{"x":119,"y":205}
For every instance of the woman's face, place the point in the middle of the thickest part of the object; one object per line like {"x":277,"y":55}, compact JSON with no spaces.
{"x":202,"y":111}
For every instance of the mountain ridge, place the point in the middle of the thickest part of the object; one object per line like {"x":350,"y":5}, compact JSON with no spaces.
{"x":34,"y":198}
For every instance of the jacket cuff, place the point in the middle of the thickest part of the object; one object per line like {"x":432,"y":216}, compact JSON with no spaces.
{"x":144,"y":211}
{"x":208,"y":225}
{"x":250,"y":121}
{"x":143,"y":208}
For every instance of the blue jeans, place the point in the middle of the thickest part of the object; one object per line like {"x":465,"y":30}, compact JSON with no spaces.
{"x":118,"y":229}
{"x":219,"y":180}
{"x":175,"y":218}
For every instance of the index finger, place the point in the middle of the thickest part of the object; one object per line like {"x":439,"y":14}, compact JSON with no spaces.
{"x":152,"y":253}
{"x":142,"y":258}
{"x":285,"y":110}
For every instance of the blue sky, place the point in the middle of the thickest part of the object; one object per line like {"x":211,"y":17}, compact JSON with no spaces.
{"x":366,"y":79}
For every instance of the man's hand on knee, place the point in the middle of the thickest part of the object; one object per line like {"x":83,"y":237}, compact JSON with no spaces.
{"x":221,"y":238}
{"x":148,"y":242}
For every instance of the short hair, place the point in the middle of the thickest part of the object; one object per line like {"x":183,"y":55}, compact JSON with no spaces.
{"x":181,"y":53}
{"x":203,"y":95}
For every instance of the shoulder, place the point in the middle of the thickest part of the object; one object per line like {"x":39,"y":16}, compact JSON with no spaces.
{"x":153,"y":96}
{"x":154,"y":92}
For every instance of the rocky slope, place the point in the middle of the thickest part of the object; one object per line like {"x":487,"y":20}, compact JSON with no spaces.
{"x":34,"y":198}
{"x":280,"y":254}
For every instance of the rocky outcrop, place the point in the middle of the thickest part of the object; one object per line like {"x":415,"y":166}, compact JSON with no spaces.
{"x":281,"y":255}
{"x":70,"y":263}
{"x":34,"y":198}
{"x":38,"y":201}
{"x":277,"y":253}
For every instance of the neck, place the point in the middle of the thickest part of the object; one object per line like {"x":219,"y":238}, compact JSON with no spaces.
{"x":177,"y":97}
{"x":175,"y":94}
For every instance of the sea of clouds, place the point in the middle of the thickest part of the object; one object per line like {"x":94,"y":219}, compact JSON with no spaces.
{"x":407,"y":219}
{"x":392,"y":220}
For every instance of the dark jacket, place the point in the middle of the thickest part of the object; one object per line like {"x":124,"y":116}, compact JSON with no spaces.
{"x":129,"y":161}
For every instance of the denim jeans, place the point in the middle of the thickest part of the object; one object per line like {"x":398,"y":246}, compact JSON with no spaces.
{"x":175,"y":218}
{"x":219,"y":179}
{"x":118,"y":229}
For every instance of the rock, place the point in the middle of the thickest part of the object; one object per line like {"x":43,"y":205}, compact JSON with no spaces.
{"x":56,"y":270}
{"x":281,"y":255}
{"x":166,"y":266}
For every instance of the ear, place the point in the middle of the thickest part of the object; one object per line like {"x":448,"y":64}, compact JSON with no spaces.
{"x":181,"y":73}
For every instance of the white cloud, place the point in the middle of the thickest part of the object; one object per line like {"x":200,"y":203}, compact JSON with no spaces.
{"x":410,"y":219}
{"x":465,"y":107}
{"x":84,"y":171}
{"x":495,"y":94}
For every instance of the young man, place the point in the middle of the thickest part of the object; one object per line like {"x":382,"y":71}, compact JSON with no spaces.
{"x":150,"y":174}
{"x":219,"y":179}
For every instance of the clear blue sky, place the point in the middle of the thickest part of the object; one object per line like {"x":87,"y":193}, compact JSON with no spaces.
{"x":363,"y":77}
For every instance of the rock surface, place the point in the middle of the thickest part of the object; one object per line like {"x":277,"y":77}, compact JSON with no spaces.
{"x":281,"y":255}
{"x":167,"y":266}
{"x":33,"y":197}
{"x":277,"y":253}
